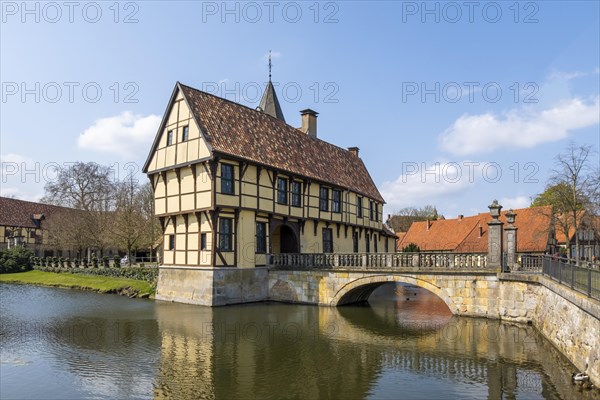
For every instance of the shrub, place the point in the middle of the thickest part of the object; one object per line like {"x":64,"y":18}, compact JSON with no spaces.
{"x":411,"y":248}
{"x":15,"y":259}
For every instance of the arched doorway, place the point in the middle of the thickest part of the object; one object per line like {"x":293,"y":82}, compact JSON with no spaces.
{"x":284,"y":240}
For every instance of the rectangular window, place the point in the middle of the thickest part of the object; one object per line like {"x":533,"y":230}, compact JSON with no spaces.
{"x":376,"y":211}
{"x":185,"y":134}
{"x":337,"y":201}
{"x":324,"y":199}
{"x":359,"y":207}
{"x":282,"y":191}
{"x":225,"y":234}
{"x":355,"y":242}
{"x":171,"y":242}
{"x":169,"y":138}
{"x":261,"y":237}
{"x":371,"y":210}
{"x":368,"y":242}
{"x":327,"y":240}
{"x":203,"y":241}
{"x":387,"y":247}
{"x":375,"y":243}
{"x":227,"y":179}
{"x":296,"y":194}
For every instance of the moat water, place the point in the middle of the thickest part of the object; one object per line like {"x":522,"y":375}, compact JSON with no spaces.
{"x":67,"y":344}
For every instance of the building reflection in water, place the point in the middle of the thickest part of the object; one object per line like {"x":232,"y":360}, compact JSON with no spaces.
{"x":414,"y":347}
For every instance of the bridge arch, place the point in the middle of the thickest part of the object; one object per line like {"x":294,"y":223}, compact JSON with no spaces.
{"x":360,"y":289}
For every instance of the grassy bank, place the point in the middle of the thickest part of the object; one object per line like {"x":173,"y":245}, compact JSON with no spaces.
{"x":101,"y":284}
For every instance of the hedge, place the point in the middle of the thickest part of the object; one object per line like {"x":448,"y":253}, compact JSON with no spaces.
{"x":95,"y":267}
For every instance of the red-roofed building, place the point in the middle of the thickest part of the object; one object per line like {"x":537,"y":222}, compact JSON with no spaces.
{"x":22,"y":223}
{"x":588,"y":230}
{"x":535,"y":232}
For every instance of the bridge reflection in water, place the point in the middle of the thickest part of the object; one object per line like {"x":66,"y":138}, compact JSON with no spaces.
{"x":396,"y":348}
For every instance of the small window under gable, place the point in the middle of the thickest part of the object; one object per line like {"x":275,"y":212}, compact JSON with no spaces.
{"x":169,"y":138}
{"x":185,"y":134}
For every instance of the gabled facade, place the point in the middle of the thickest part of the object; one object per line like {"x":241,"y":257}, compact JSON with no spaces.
{"x":233,"y":184}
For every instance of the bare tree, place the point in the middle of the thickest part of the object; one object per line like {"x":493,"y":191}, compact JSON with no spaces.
{"x":87,"y":187}
{"x":576,"y":187}
{"x":401,"y":220}
{"x":133,"y":226}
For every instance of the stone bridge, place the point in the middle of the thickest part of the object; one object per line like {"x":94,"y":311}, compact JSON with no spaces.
{"x":465,"y":282}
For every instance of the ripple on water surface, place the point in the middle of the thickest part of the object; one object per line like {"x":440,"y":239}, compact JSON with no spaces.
{"x":69,"y":344}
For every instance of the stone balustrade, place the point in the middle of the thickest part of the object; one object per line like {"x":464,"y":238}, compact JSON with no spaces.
{"x":380,"y":261}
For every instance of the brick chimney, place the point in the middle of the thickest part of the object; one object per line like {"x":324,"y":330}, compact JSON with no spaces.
{"x":428,"y":224}
{"x":353,"y":150}
{"x":460,"y":217}
{"x":309,"y":122}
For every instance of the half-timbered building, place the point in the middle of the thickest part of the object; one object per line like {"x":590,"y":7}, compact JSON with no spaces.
{"x":233,"y":184}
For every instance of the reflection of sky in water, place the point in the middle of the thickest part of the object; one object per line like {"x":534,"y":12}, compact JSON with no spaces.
{"x":70,"y":344}
{"x":62,"y":345}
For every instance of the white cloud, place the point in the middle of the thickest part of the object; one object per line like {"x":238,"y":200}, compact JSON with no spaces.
{"x":12,"y":164}
{"x":518,"y":128}
{"x":126,"y":134}
{"x":514,"y":202}
{"x":562,"y":75}
{"x":429,"y":183}
{"x":17,"y":193}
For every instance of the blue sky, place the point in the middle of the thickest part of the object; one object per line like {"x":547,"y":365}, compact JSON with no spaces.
{"x":451,"y":104}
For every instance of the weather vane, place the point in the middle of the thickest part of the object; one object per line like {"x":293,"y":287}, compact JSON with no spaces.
{"x":269,"y":65}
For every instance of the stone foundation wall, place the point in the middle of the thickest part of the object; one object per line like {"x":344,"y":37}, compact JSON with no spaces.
{"x":212,"y":286}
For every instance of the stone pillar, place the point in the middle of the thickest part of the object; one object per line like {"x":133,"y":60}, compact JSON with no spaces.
{"x":494,"y":256}
{"x":511,"y":241}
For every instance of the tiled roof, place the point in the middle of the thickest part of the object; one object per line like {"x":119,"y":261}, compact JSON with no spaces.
{"x":463,"y":235}
{"x":233,"y":129}
{"x":19,"y":213}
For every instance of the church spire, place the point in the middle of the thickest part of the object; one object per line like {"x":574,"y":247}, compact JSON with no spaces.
{"x":269,"y":104}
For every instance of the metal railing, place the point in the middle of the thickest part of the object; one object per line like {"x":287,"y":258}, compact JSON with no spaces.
{"x":388,"y":261}
{"x":583,"y":279}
